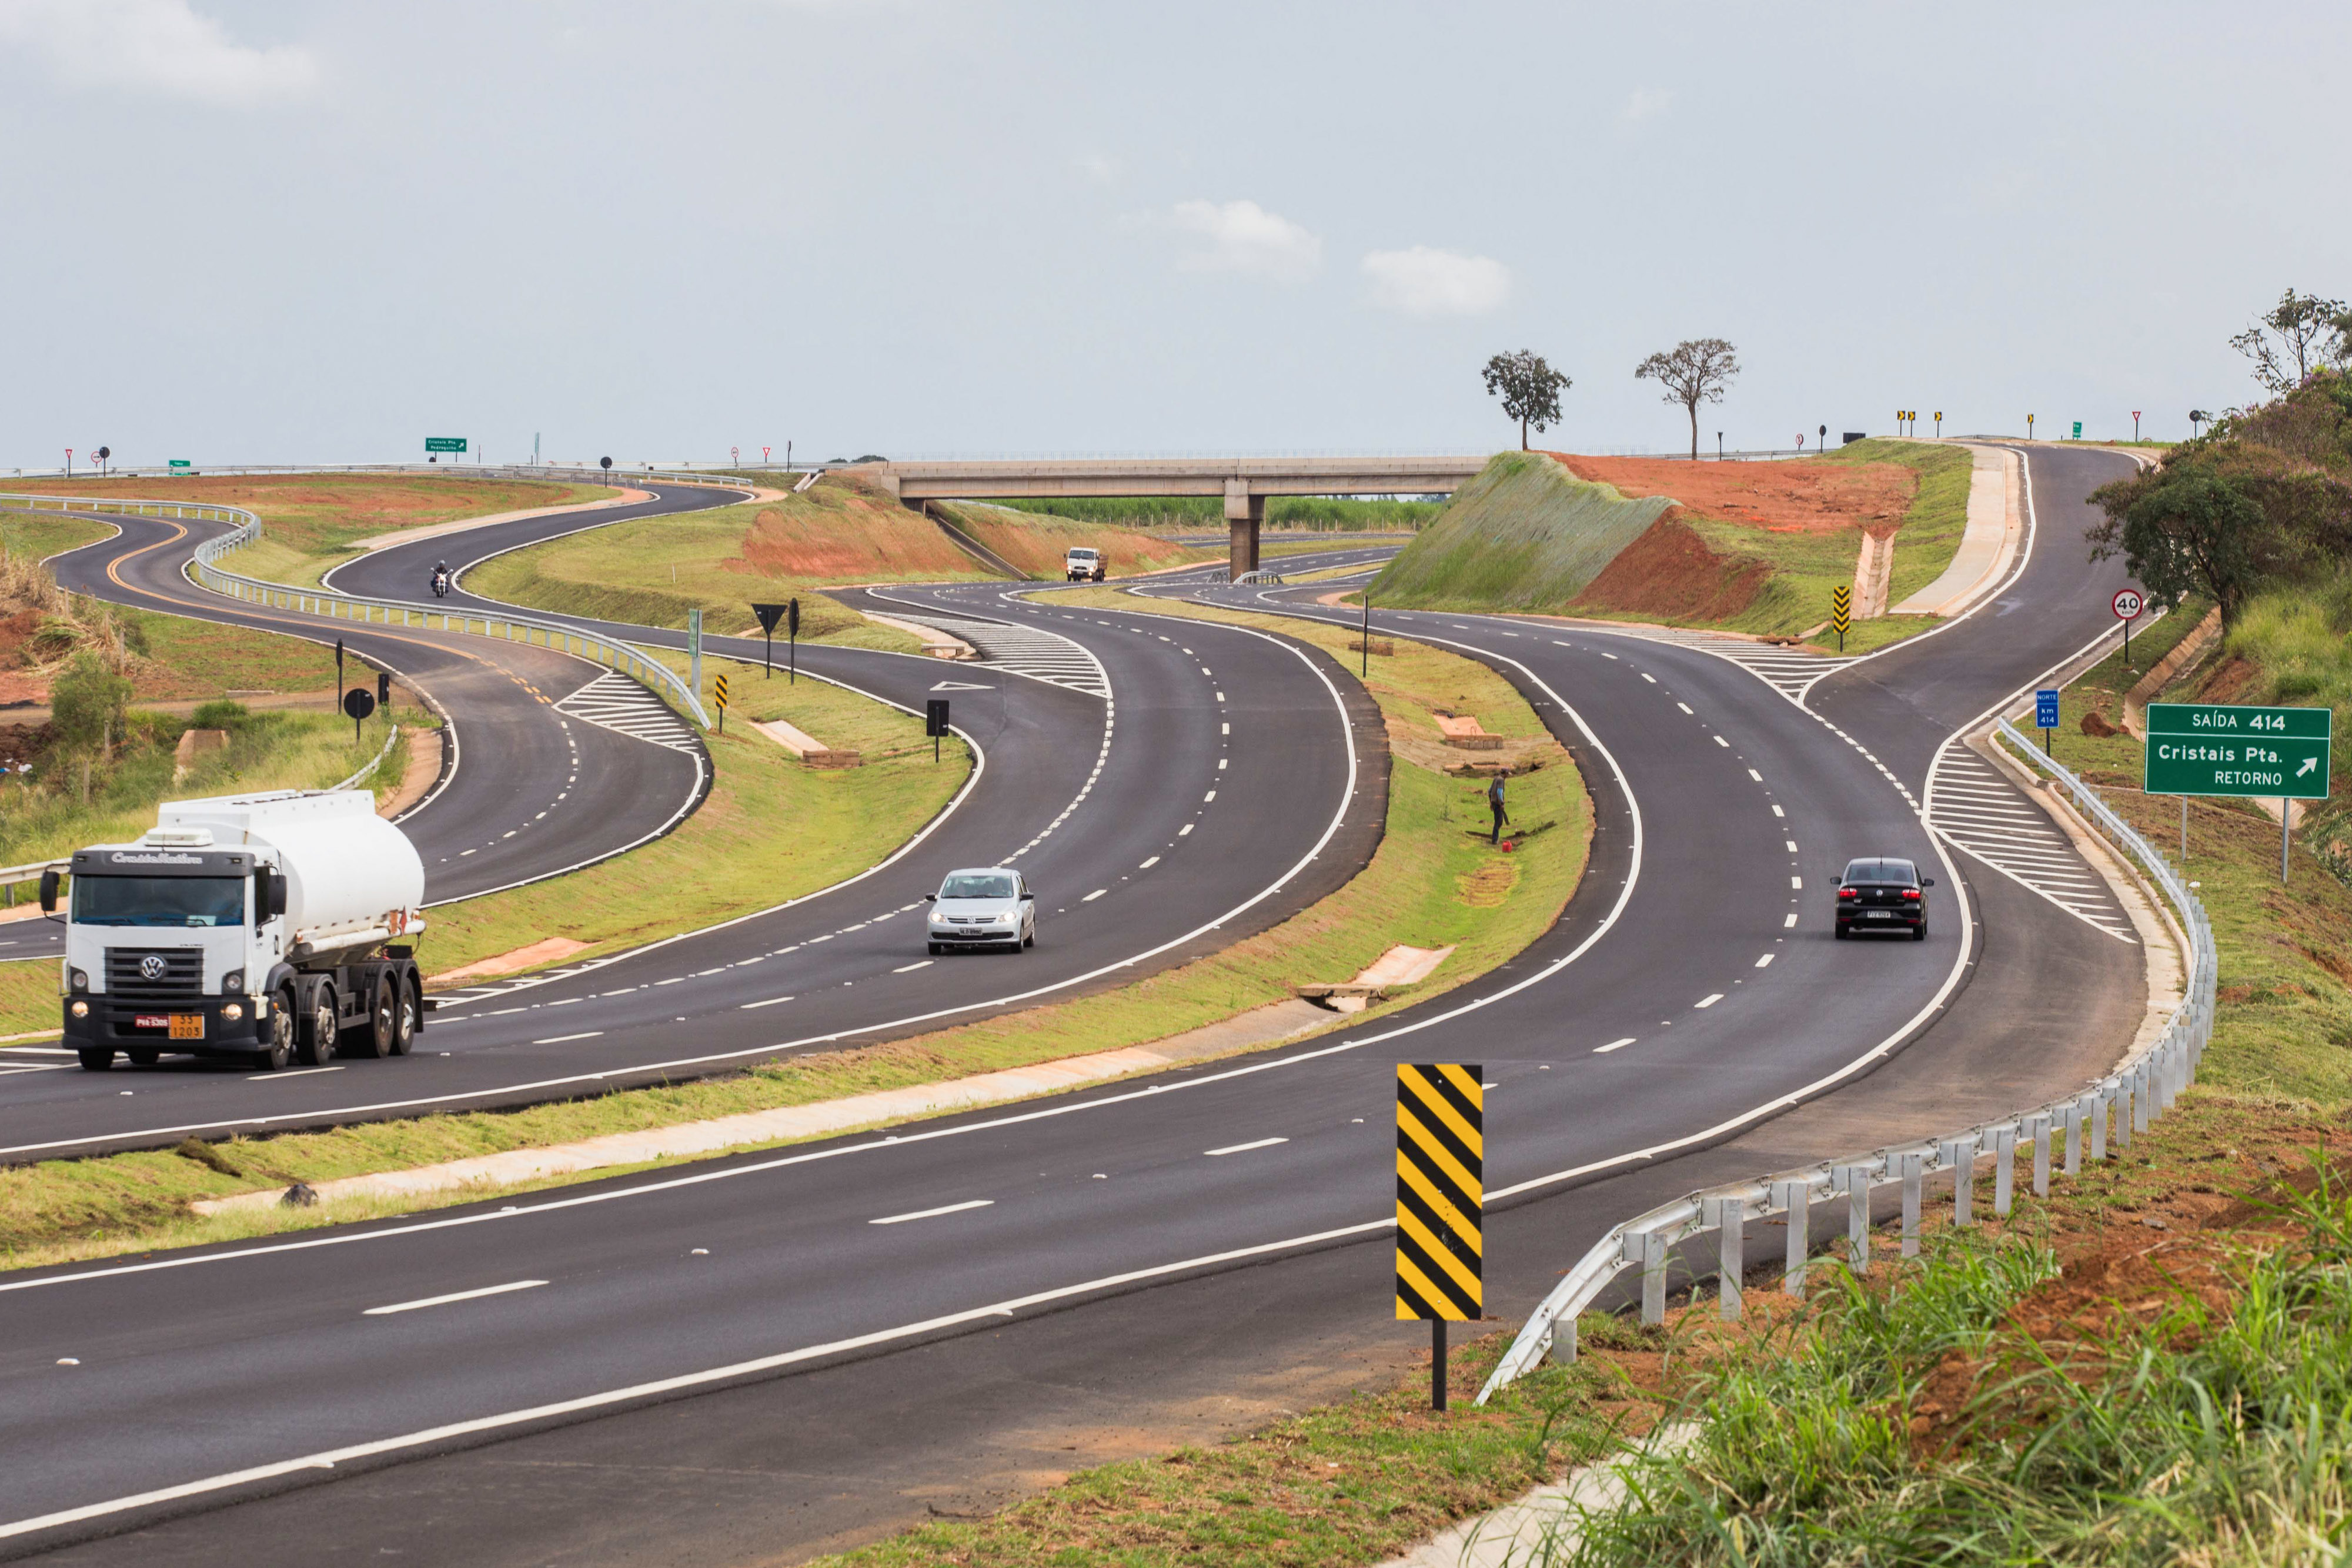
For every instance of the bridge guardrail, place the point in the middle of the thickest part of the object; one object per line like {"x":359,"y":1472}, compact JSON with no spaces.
{"x":2139,"y":1090}
{"x":625,"y":657}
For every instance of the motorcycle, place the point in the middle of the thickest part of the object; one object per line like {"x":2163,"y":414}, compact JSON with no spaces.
{"x":440,"y":585}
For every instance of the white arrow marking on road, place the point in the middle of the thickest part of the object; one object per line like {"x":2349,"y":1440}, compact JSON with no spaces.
{"x":960,"y":686}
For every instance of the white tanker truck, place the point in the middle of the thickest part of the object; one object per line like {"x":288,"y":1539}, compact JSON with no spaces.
{"x":254,"y":927}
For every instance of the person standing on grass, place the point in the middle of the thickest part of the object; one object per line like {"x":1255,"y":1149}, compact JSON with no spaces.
{"x":1494,"y":804}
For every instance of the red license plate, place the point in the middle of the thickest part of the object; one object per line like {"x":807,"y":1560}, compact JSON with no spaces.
{"x":151,"y":1020}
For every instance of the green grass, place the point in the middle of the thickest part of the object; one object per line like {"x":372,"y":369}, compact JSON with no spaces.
{"x":37,"y":535}
{"x":191,"y":658}
{"x":1525,"y":534}
{"x":1427,"y":884}
{"x":313,"y":523}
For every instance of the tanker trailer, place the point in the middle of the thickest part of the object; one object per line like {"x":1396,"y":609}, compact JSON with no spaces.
{"x":255,"y":928}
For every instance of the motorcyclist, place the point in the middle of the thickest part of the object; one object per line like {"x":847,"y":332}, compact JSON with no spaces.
{"x":441,"y":577}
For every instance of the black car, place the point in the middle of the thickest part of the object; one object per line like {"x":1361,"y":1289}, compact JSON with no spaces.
{"x":1883,"y":894}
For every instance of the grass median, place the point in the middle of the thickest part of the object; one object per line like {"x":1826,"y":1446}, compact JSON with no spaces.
{"x":1428,"y":884}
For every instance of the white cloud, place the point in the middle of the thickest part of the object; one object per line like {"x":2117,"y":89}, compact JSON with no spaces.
{"x":1245,"y":237}
{"x":1646,"y":104}
{"x":1427,"y":282}
{"x":154,"y":46}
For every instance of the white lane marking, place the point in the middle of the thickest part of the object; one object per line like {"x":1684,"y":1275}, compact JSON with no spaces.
{"x":560,"y":1038}
{"x":1724,"y":743}
{"x":906,"y":969}
{"x":1095,"y":894}
{"x":934,"y":1213}
{"x":1184,"y":829}
{"x":1221,"y":762}
{"x":1146,"y":865}
{"x":1209,"y":797}
{"x":1790,"y":924}
{"x":453,"y":1296}
{"x":1225,"y":729}
{"x":1615,"y":1044}
{"x":772,"y":1001}
{"x":1759,"y":778}
{"x":1685,"y":707}
{"x":1777,"y":811}
{"x":1791,"y":844}
{"x":297,"y":1072}
{"x":1245,"y":1149}
{"x":1649,"y":677}
{"x":1796,"y":881}
{"x":1708,"y":1000}
{"x":1765,"y":962}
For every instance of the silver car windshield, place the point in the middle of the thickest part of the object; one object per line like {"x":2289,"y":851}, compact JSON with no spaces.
{"x":977,"y":887}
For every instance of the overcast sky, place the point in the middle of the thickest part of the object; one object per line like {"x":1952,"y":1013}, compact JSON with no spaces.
{"x":289,"y":230}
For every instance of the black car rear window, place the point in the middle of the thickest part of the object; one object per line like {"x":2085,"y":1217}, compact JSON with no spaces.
{"x":1901,"y":873}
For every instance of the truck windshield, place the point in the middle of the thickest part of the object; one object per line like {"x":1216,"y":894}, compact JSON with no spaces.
{"x":180,"y":901}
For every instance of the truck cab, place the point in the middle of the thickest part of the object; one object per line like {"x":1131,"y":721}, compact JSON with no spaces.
{"x":245,"y":927}
{"x":1083,"y":564}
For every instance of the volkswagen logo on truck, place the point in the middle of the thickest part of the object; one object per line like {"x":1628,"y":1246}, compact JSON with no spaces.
{"x":151,"y":968}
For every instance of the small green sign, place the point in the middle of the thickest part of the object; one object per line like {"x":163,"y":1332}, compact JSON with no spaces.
{"x":2078,"y":430}
{"x":444,"y":443}
{"x":2208,"y":749}
{"x":181,"y":466}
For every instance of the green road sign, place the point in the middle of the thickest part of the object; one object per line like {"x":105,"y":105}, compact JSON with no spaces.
{"x":444,"y":443}
{"x":2206,"y":749}
{"x":2078,"y":430}
{"x":181,"y":466}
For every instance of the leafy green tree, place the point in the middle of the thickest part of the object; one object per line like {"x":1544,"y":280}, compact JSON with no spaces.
{"x":2184,"y":531}
{"x":1693,"y":371}
{"x":1529,"y":388}
{"x":86,"y":703}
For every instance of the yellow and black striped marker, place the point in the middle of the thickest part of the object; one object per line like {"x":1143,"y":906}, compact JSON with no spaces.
{"x":1842,"y":612}
{"x":718,"y":698}
{"x":1440,"y":1194}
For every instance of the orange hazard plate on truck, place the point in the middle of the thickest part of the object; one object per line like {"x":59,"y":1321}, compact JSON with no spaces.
{"x":188,"y":1026}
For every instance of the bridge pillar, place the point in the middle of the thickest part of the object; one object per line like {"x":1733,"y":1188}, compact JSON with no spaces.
{"x":1244,"y":513}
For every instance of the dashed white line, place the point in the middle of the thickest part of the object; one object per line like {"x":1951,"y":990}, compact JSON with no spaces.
{"x":560,"y":1038}
{"x":935,"y":1213}
{"x":453,"y":1296}
{"x":1708,"y":1000}
{"x":1095,"y":894}
{"x":772,"y":1001}
{"x":1245,"y":1149}
{"x":1765,"y":962}
{"x":1615,"y":1044}
{"x":907,"y":968}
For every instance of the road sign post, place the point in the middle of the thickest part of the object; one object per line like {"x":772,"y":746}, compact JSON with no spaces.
{"x":358,"y":702}
{"x":181,"y":466}
{"x":793,"y":641}
{"x":2126,"y":606}
{"x":1441,"y":1200}
{"x":2135,"y":427}
{"x":339,"y":672}
{"x":2045,"y":715}
{"x":935,"y":723}
{"x":1841,"y":612}
{"x":718,"y":699}
{"x":2078,"y":430}
{"x":769,"y":615}
{"x":452,"y":444}
{"x":2213,"y":749}
{"x":694,"y":651}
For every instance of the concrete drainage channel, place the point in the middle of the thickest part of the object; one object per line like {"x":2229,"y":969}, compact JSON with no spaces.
{"x":2065,"y":1131}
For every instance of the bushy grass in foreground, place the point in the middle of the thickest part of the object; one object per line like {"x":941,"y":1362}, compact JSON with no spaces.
{"x":1970,"y":1415}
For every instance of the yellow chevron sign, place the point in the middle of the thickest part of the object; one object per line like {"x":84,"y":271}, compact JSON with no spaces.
{"x":1440,"y":1194}
{"x":719,"y":695}
{"x":1842,"y":608}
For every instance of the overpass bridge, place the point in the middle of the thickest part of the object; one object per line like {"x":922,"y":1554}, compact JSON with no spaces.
{"x":1243,"y":481}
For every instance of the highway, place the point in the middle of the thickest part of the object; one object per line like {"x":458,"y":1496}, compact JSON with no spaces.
{"x":867,"y":1318}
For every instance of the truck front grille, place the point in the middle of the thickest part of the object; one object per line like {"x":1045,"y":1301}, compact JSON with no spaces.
{"x":128,"y":978}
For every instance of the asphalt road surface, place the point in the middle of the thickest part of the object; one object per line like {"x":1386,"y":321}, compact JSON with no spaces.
{"x":866,"y":1318}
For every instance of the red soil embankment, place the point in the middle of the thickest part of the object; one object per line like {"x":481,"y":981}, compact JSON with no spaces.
{"x":1781,"y":497}
{"x":1670,"y":572}
{"x":862,"y":540}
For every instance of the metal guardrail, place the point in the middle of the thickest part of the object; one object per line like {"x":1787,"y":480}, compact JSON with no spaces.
{"x":625,"y":657}
{"x":2142,"y":1088}
{"x":372,"y":766}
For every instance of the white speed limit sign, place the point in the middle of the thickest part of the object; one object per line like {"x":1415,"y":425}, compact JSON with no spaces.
{"x":2126,"y":604}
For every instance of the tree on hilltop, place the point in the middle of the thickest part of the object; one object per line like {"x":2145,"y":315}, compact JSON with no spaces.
{"x":1693,"y":372}
{"x":1529,"y":388}
{"x":2304,"y":328}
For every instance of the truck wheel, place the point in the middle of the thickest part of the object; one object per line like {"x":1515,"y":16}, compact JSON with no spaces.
{"x":273,"y":1057}
{"x":319,"y":1031}
{"x":374,"y":1037}
{"x":404,"y":1029}
{"x":95,"y":1060}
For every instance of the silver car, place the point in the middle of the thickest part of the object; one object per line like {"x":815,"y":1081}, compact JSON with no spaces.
{"x":989,"y":906}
